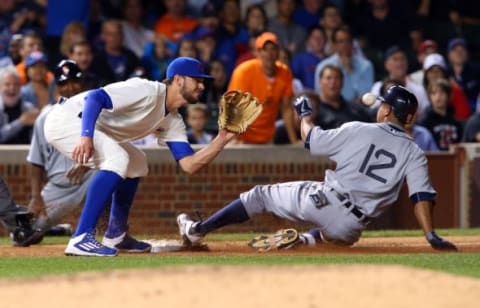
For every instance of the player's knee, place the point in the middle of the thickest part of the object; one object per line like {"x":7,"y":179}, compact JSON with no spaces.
{"x":117,"y":163}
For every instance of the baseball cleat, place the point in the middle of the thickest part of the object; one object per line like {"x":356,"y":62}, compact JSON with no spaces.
{"x":126,"y":243}
{"x":185,"y":227}
{"x":87,"y":245}
{"x":282,"y":239}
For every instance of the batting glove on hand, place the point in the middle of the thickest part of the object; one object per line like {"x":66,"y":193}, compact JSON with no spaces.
{"x":439,"y":243}
{"x":302,"y":106}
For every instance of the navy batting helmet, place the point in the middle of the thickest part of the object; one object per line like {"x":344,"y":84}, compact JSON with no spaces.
{"x":402,"y":101}
{"x":67,"y":70}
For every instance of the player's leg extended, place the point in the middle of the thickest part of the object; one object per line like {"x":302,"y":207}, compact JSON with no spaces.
{"x":262,"y":198}
{"x":117,"y":235}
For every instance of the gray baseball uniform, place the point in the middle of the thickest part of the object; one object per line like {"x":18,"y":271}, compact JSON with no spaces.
{"x":59,"y":194}
{"x":372,"y":162}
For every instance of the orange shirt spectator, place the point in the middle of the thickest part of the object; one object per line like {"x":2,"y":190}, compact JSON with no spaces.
{"x":274,"y":92}
{"x":174,"y":23}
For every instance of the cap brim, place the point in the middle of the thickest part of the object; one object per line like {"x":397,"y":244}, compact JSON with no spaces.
{"x":201,"y":76}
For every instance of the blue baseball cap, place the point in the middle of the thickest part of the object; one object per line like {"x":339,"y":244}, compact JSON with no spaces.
{"x":186,"y":66}
{"x":35,"y":57}
{"x":455,"y":42}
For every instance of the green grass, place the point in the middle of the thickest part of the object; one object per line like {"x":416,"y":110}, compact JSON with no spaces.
{"x":467,"y":264}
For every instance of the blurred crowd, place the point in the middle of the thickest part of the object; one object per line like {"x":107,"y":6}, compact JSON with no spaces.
{"x":333,"y":51}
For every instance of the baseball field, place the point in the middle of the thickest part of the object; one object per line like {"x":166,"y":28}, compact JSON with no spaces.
{"x":384,"y":269}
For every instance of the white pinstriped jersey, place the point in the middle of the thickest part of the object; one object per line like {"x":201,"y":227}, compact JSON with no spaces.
{"x":373,"y":160}
{"x":138,"y":110}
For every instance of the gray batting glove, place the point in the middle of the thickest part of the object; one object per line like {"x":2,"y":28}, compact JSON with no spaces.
{"x":439,"y":243}
{"x":302,"y":106}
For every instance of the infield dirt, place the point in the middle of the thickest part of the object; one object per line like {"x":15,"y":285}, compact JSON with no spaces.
{"x":254,"y":286}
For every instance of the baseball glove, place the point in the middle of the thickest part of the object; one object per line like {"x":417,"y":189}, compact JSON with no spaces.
{"x":237,"y":110}
{"x":282,"y":239}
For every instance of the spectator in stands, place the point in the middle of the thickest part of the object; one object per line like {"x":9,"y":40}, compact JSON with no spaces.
{"x":30,"y":42}
{"x":134,"y":33}
{"x":205,"y":44}
{"x":211,"y":95}
{"x":37,"y":91}
{"x":439,"y":119}
{"x":232,"y":38}
{"x":435,"y":68}
{"x":256,"y":22}
{"x":396,"y":66}
{"x":156,"y":58}
{"x":114,"y":62}
{"x":334,"y":109}
{"x":186,"y":48}
{"x":464,"y":72}
{"x":59,"y":14}
{"x":357,"y":71}
{"x":290,"y":34}
{"x":420,"y":134}
{"x":426,"y":48}
{"x":308,"y":14}
{"x":16,"y":116}
{"x":11,"y":22}
{"x":285,"y":57}
{"x":304,"y":63}
{"x":14,"y":49}
{"x":81,"y":52}
{"x":197,"y":118}
{"x":174,"y":24}
{"x":384,"y":24}
{"x":331,"y":20}
{"x":73,"y":32}
{"x":271,"y":82}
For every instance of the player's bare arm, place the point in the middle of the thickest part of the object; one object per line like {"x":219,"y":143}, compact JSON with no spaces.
{"x":36,"y":204}
{"x":198,"y":160}
{"x":423,"y":213}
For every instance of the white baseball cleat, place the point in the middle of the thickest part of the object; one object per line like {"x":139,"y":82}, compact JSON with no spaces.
{"x":185,"y":227}
{"x":87,"y":245}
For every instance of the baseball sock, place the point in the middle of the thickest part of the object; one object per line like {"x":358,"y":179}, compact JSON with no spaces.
{"x":121,"y":203}
{"x":233,"y":213}
{"x":311,"y":237}
{"x":99,"y":192}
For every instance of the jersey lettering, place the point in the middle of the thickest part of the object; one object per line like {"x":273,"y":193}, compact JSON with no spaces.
{"x":368,"y":167}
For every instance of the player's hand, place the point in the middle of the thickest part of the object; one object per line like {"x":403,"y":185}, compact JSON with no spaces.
{"x":76,"y":174}
{"x":37,"y":207}
{"x":302,"y":106}
{"x":83,"y":151}
{"x":439,"y":243}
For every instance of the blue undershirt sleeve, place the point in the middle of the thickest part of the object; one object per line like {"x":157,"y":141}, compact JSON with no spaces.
{"x":180,"y":149}
{"x":423,"y":196}
{"x":95,"y":101}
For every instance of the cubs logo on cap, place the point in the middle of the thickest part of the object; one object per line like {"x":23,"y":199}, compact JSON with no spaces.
{"x":186,"y":66}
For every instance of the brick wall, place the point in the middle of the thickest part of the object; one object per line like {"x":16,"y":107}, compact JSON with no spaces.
{"x":166,"y":191}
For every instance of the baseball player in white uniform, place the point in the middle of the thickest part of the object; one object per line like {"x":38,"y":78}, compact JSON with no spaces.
{"x":373,"y":160}
{"x":66,"y":183}
{"x":95,"y":128}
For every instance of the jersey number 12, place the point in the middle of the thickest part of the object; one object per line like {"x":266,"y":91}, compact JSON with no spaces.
{"x":368,"y":167}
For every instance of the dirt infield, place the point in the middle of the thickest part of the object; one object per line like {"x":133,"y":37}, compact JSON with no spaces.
{"x":248,"y":286}
{"x":253,"y":286}
{"x":387,"y":245}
